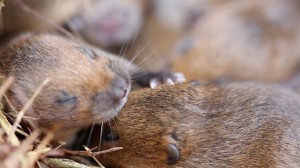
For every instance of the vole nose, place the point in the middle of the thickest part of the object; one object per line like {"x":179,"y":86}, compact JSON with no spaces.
{"x":119,"y":89}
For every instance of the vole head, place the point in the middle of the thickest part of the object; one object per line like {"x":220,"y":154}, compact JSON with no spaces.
{"x":86,"y":85}
{"x":109,"y":22}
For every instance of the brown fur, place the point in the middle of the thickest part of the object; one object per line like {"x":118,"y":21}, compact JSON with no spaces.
{"x":212,"y":125}
{"x":245,"y":40}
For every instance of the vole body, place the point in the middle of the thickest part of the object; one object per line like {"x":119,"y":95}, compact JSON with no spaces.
{"x":213,"y":125}
{"x":87,"y":85}
{"x":244,"y":40}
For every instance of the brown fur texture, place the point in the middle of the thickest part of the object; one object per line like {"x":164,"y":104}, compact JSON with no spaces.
{"x":211,"y":125}
{"x":244,"y":40}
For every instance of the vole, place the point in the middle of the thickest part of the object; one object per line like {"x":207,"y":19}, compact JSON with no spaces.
{"x":244,"y":124}
{"x":87,"y":85}
{"x":244,"y":40}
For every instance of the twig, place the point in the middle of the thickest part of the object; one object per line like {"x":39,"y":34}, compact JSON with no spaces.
{"x":89,"y":153}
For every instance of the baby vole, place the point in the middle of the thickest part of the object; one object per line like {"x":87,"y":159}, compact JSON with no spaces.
{"x":244,"y":40}
{"x":211,"y":125}
{"x":87,"y":85}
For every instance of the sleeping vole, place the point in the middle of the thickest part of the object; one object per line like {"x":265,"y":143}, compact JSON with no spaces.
{"x":87,"y":85}
{"x":211,"y":125}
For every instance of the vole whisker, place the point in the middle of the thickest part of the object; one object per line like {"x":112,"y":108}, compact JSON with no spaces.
{"x":116,"y":126}
{"x":135,"y":36}
{"x":138,"y":53}
{"x":138,"y":64}
{"x":90,"y":135}
{"x":100,"y":138}
{"x":137,"y":76}
{"x":112,"y":137}
{"x":146,"y":58}
{"x":122,"y":48}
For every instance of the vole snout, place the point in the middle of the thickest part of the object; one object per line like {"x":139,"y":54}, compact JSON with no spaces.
{"x":120,"y":88}
{"x":112,"y":99}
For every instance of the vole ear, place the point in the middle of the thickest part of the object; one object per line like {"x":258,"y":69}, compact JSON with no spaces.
{"x":172,"y":149}
{"x":173,"y":154}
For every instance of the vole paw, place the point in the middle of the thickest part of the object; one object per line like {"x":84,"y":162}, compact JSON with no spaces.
{"x":166,"y":78}
{"x":153,"y":80}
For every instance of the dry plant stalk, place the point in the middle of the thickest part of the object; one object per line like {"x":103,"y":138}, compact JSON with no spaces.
{"x":13,"y":140}
{"x":1,"y":16}
{"x":85,"y":153}
{"x":18,"y":157}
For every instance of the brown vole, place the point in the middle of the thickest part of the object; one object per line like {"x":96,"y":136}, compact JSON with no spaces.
{"x":245,"y":40}
{"x":86,"y":85}
{"x":211,"y":125}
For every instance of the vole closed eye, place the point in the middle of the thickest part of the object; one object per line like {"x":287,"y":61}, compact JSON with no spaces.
{"x":64,"y":98}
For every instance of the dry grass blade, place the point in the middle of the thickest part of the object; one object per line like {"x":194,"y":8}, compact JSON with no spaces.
{"x":40,"y":149}
{"x":5,"y":86}
{"x":18,"y":157}
{"x":3,"y":120}
{"x":8,"y":129}
{"x":26,"y":107}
